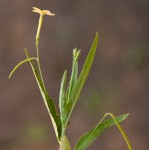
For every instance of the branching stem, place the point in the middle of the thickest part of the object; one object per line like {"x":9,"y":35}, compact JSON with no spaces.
{"x":120,"y":129}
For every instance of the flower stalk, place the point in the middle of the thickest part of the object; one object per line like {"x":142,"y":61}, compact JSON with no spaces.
{"x":41,"y":13}
{"x":39,"y":28}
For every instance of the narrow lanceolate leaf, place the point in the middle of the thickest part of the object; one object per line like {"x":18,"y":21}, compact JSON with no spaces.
{"x":20,"y":64}
{"x":90,"y":137}
{"x":74,"y":95}
{"x":62,"y":96}
{"x":47,"y":100}
{"x":74,"y":73}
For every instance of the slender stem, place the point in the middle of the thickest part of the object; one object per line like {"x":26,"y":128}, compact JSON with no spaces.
{"x":63,"y":132}
{"x":37,"y":45}
{"x":21,"y":63}
{"x":39,"y":28}
{"x":120,"y":128}
{"x":38,"y":62}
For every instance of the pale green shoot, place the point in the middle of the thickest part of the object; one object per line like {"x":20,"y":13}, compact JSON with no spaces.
{"x":21,"y":63}
{"x":69,"y":94}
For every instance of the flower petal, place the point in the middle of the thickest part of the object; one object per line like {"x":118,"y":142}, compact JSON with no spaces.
{"x":47,"y":12}
{"x":37,"y":10}
{"x":42,"y":12}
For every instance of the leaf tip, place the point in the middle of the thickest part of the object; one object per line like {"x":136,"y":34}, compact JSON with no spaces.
{"x":126,"y":115}
{"x":96,"y":38}
{"x":9,"y":76}
{"x":11,"y":73}
{"x":97,"y":35}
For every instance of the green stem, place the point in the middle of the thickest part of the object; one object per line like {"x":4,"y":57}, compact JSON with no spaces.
{"x":38,"y":62}
{"x":39,"y":28}
{"x":65,"y":145}
{"x":21,"y":63}
{"x":120,"y":128}
{"x":63,"y":131}
{"x":37,"y":45}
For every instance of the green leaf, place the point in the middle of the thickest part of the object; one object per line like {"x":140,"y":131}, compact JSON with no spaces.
{"x":62,"y":97}
{"x":74,"y":95}
{"x":74,"y":72}
{"x":89,"y":137}
{"x":21,"y":63}
{"x":56,"y":121}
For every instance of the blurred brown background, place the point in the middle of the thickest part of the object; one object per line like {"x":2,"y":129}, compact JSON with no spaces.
{"x":118,"y":82}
